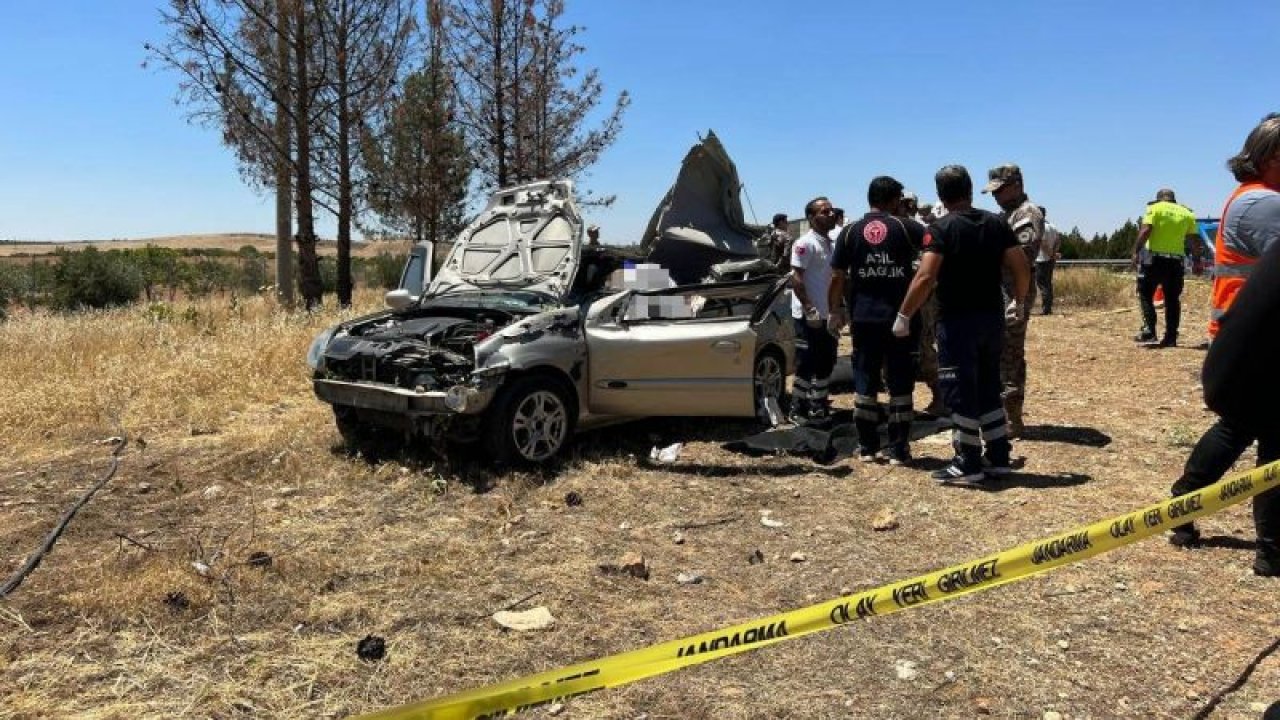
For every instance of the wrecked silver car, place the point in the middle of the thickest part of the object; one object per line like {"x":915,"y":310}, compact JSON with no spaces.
{"x":518,"y":342}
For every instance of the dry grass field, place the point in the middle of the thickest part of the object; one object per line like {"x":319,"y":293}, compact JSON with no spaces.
{"x":229,"y":242}
{"x":149,"y":606}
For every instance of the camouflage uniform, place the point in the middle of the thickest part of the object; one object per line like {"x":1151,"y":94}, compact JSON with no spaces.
{"x":779,"y":249}
{"x":929,"y":344}
{"x":1027,"y":223}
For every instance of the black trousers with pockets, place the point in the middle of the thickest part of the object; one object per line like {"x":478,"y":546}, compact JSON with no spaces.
{"x":1166,"y":272}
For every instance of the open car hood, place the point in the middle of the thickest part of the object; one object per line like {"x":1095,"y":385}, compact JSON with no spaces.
{"x":699,"y":222}
{"x":529,"y":237}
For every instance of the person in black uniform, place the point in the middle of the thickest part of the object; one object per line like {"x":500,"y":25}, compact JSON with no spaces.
{"x":964,"y":253}
{"x":1251,"y":220}
{"x":1242,"y":387}
{"x":871,"y":270}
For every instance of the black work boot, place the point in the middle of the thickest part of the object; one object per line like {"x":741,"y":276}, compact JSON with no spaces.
{"x":800,"y":409}
{"x":1266,"y":564}
{"x":899,"y":454}
{"x":1266,"y":560}
{"x":1185,"y":536}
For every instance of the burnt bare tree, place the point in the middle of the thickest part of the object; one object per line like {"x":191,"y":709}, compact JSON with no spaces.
{"x":523,"y":102}
{"x":560,"y":99}
{"x":363,"y":46}
{"x":283,"y":159}
{"x":303,"y":100}
{"x":239,"y":71}
{"x":419,"y":165}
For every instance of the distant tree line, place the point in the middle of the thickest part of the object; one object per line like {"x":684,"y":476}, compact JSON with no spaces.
{"x":89,"y":279}
{"x":1116,"y":245}
{"x":355,"y":108}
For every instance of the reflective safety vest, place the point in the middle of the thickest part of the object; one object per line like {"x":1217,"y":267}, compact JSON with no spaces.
{"x":1232,"y":261}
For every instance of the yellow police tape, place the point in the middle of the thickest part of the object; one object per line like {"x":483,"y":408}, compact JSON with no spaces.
{"x":987,"y":572}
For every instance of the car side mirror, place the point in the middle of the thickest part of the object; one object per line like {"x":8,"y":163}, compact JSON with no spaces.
{"x":399,"y":299}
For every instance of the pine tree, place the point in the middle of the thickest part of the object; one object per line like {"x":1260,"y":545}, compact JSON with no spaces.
{"x":235,"y":59}
{"x":363,"y":46}
{"x":421,"y":169}
{"x":522,"y":102}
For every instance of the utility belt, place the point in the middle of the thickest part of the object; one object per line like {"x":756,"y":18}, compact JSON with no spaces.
{"x":1169,"y":256}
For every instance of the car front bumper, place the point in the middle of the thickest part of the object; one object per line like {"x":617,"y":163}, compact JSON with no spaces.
{"x":398,"y":400}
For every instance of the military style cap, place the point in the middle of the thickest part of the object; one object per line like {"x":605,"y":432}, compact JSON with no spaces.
{"x":1166,"y":195}
{"x":998,"y":176}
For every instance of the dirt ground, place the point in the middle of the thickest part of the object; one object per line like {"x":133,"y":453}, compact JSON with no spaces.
{"x":150,"y":605}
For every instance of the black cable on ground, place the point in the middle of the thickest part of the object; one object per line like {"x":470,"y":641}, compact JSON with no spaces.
{"x":1219,"y":696}
{"x":34,"y":560}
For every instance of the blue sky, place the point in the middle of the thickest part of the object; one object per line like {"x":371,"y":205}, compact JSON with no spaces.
{"x":1101,"y":103}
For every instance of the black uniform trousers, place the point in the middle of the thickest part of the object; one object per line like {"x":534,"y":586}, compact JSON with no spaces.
{"x":815,"y":359}
{"x":969,"y":348}
{"x":1167,"y":272}
{"x":876,"y":348}
{"x":1214,"y":454}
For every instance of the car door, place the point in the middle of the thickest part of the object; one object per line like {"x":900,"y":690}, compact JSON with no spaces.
{"x":418,"y":269}
{"x":680,"y":351}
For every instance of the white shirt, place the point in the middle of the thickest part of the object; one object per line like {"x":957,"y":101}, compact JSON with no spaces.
{"x":811,"y":253}
{"x":1049,"y":245}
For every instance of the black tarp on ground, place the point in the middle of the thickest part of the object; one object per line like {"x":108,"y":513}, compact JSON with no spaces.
{"x":837,"y":441}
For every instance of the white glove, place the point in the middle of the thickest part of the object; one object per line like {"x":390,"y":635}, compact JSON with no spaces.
{"x":812,"y":318}
{"x":835,"y":321}
{"x":1013,"y":313}
{"x":901,"y":326}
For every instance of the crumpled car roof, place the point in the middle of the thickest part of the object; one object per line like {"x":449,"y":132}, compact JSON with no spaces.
{"x":700,"y":222}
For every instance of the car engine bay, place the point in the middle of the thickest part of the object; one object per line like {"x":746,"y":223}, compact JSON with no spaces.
{"x":421,"y":354}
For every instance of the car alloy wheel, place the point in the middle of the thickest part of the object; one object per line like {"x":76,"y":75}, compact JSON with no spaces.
{"x":539,"y":425}
{"x":769,"y":379}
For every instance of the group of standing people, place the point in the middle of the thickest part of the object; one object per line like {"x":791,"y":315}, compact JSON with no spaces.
{"x":877,"y":274}
{"x":970,"y":267}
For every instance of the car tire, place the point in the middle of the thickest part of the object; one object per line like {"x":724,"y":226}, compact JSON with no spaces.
{"x":530,"y":422}
{"x":769,"y":380}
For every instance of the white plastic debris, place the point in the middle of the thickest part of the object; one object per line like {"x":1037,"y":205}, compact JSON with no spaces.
{"x":538,"y":618}
{"x":666,"y":455}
